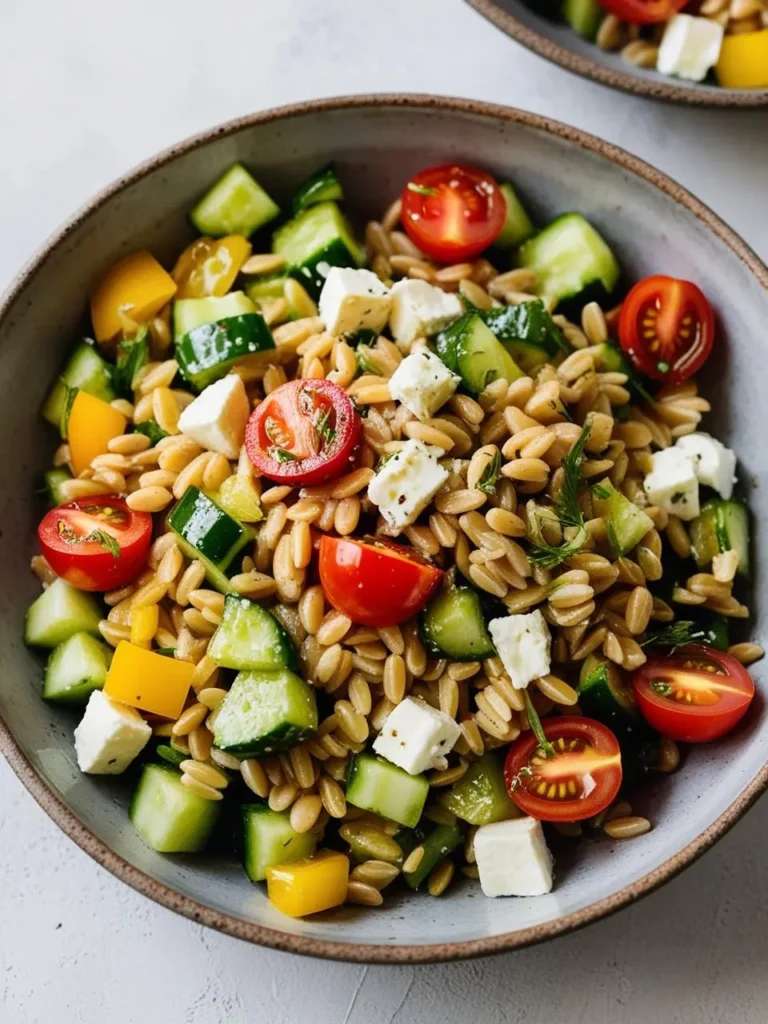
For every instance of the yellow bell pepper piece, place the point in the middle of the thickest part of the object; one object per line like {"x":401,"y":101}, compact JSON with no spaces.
{"x":148,"y":681}
{"x":91,"y":426}
{"x":137,"y":286}
{"x":209,"y":266}
{"x":144,"y":623}
{"x":309,"y":886}
{"x":743,"y":62}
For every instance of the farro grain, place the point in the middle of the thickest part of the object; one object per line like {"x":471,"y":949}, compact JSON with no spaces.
{"x":669,"y":755}
{"x":332,"y":796}
{"x":311,"y":608}
{"x":639,"y":610}
{"x":557,"y":690}
{"x":724,"y":566}
{"x":200,"y":788}
{"x":211,"y":696}
{"x":394,"y":678}
{"x":363,"y":894}
{"x":282,"y":796}
{"x":627,"y":828}
{"x":190,"y":719}
{"x":351,"y":721}
{"x":255,"y":777}
{"x":747,"y":653}
{"x":440,"y":878}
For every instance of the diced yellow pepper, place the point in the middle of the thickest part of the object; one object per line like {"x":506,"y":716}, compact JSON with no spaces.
{"x":148,"y":681}
{"x":743,"y":62}
{"x":209,"y":266}
{"x":137,"y":287}
{"x":144,"y":623}
{"x":91,"y":426}
{"x":309,"y":886}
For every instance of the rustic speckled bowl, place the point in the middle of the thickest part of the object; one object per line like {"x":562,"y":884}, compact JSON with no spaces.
{"x":377,"y":141}
{"x":558,"y":42}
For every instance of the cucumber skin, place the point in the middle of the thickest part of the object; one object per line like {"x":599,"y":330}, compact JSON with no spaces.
{"x":191,"y":313}
{"x":238,"y":613}
{"x":208,"y":352}
{"x":208,"y":221}
{"x":78,"y":690}
{"x":458,"y":345}
{"x":258,"y":736}
{"x":596,"y":694}
{"x":85,"y":369}
{"x":323,"y":186}
{"x":54,"y":478}
{"x":584,"y":17}
{"x":362,"y":765}
{"x":195,"y":511}
{"x":711,"y":533}
{"x":83,"y":616}
{"x":188,"y":819}
{"x":439,"y":843}
{"x":428,"y":627}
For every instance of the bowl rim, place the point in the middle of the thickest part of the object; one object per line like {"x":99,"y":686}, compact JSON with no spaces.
{"x":333,"y":949}
{"x":670,"y":91}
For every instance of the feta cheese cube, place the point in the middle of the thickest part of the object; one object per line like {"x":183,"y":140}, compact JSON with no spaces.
{"x":353,"y":300}
{"x":422,"y":382}
{"x":406,"y":483}
{"x":217,"y":417}
{"x":672,"y":483}
{"x":416,"y":737}
{"x":110,"y":735}
{"x":713,"y":463}
{"x":513,"y":858}
{"x":690,"y":47}
{"x":420,"y":310}
{"x":523,"y":643}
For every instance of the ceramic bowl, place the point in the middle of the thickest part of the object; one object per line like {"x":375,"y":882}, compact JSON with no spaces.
{"x":559,"y":43}
{"x":377,"y":142}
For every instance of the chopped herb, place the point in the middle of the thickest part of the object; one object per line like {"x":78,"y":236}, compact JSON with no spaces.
{"x":361,"y":410}
{"x":678,"y":634}
{"x":490,"y":377}
{"x":536,"y":727}
{"x":677,"y":497}
{"x":364,"y":365}
{"x":662,"y":367}
{"x":487,"y":482}
{"x":662,"y":688}
{"x":567,"y":507}
{"x":421,"y":190}
{"x":152,"y":430}
{"x":324,"y":428}
{"x":280,"y":454}
{"x":106,"y":541}
{"x":600,"y":492}
{"x":132,"y":356}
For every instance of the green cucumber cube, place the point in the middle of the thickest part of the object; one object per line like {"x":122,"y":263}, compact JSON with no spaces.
{"x":75,"y":669}
{"x":59,"y":613}
{"x":269,"y":839}
{"x":374,"y":784}
{"x":480,"y":796}
{"x":169,"y":817}
{"x":265,"y":712}
{"x":250,"y":637}
{"x":625,"y":523}
{"x":236,"y":205}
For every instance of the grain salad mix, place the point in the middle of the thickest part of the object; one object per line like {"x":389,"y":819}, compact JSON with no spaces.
{"x":402,"y":563}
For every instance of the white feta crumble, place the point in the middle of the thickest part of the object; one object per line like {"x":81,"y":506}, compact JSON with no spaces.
{"x":353,"y":300}
{"x":523,"y":642}
{"x":109,"y":736}
{"x":672,"y":483}
{"x":420,"y":310}
{"x":217,"y":417}
{"x":416,"y":737}
{"x":407,"y":482}
{"x":423,"y":383}
{"x":513,"y":858}
{"x":690,"y":47}
{"x":713,"y":463}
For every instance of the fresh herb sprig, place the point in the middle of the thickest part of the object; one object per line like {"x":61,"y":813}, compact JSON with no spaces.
{"x":323,"y":427}
{"x":490,"y":475}
{"x":537,"y":728}
{"x":678,"y":634}
{"x":567,"y":508}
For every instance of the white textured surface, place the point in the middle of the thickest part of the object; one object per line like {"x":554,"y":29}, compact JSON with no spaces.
{"x":91,"y":88}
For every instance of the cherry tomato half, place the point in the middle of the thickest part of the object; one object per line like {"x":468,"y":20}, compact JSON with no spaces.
{"x":304,"y":432}
{"x":667,"y":328}
{"x":453,"y":212}
{"x":375,"y":582}
{"x":96,"y":543}
{"x":695,"y":695}
{"x":643,"y":12}
{"x":579,"y":781}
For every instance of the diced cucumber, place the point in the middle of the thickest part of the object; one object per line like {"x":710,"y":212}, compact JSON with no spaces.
{"x":85,"y":370}
{"x":170,"y":755}
{"x":469,"y":348}
{"x":605,"y":694}
{"x":250,"y":637}
{"x":69,"y":400}
{"x":75,"y":669}
{"x":236,"y":205}
{"x":625,"y":523}
{"x":205,"y":531}
{"x":59,"y":613}
{"x":191,"y":313}
{"x":132,"y":356}
{"x":611,"y":359}
{"x":437,"y":844}
{"x":268,"y":839}
{"x":584,"y":17}
{"x":480,"y":796}
{"x":209,"y":351}
{"x":721,"y":526}
{"x":528,"y":332}
{"x":150,"y":429}
{"x":374,"y":784}
{"x":261,"y":288}
{"x":53,"y":480}
{"x":452,"y":624}
{"x":323,"y":186}
{"x":572,"y":262}
{"x":265,"y":712}
{"x":518,"y":226}
{"x":169,"y":817}
{"x":316,"y":239}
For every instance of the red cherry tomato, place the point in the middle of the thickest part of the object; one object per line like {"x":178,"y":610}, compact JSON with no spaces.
{"x":305,"y":432}
{"x":695,"y":695}
{"x":580,"y":780}
{"x":96,"y":543}
{"x":375,"y":582}
{"x":667,"y":328}
{"x":453,"y":212}
{"x":643,"y":12}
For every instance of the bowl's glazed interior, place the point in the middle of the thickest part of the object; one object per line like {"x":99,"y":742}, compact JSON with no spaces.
{"x":558,"y":42}
{"x":377,"y":143}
